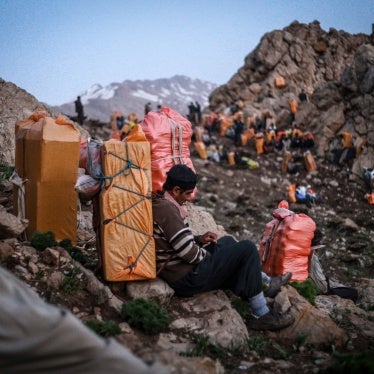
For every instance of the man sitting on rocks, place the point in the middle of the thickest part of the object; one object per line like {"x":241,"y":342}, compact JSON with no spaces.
{"x":193,"y":265}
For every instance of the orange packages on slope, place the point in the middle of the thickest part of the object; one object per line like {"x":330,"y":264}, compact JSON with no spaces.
{"x":286,"y":244}
{"x":126,"y":221}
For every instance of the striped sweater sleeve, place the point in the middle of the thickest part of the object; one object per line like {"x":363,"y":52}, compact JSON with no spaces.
{"x":169,"y":225}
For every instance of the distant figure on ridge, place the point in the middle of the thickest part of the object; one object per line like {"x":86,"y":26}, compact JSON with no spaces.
{"x":79,"y":110}
{"x":192,"y":112}
{"x":197,"y":113}
{"x":147,"y":108}
{"x":303,"y":96}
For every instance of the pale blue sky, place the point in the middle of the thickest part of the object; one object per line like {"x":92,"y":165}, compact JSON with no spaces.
{"x":56,"y":49}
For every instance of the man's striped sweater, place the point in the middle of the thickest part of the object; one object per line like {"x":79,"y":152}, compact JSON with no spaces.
{"x":175,"y":244}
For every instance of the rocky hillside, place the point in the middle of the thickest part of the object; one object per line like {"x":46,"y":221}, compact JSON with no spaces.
{"x":335,"y":68}
{"x":207,"y":334}
{"x":303,"y":54}
{"x":131,"y":96}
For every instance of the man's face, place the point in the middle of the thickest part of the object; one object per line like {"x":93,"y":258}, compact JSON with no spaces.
{"x":182,"y":196}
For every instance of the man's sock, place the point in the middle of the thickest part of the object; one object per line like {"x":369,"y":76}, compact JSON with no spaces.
{"x":258,"y":305}
{"x":265,"y":278}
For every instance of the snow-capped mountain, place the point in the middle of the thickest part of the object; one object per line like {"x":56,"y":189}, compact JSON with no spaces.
{"x":131,"y":96}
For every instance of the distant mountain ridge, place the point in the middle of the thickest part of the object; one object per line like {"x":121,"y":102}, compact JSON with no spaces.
{"x":131,"y":96}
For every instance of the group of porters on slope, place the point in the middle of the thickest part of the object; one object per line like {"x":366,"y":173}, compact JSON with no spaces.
{"x":121,"y":176}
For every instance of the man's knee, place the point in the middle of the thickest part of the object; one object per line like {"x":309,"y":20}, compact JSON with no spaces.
{"x":248,"y":248}
{"x":226,"y":241}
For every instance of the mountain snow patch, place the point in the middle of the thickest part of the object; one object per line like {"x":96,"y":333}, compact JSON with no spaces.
{"x":145,"y":95}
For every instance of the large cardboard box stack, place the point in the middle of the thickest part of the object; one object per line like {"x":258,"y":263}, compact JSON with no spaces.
{"x":126,"y":223}
{"x":47,"y":157}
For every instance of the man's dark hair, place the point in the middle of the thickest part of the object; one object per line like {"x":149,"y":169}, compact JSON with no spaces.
{"x":180,"y":176}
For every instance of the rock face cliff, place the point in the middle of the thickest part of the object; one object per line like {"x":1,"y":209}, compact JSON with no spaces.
{"x":15,"y":104}
{"x":334,"y":68}
{"x":304,"y":55}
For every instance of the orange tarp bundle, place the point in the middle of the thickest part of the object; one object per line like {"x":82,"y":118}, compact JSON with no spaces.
{"x":270,"y":136}
{"x":128,"y":249}
{"x":280,"y":82}
{"x":310,"y":163}
{"x":47,"y":158}
{"x":260,"y":143}
{"x":293,"y":106}
{"x":201,"y":150}
{"x":286,"y":159}
{"x":169,"y":135}
{"x":297,"y":132}
{"x":286,"y":244}
{"x":199,"y":131}
{"x":347,"y":138}
{"x":225,"y":122}
{"x":247,"y":136}
{"x":370,"y":198}
{"x":231,"y":158}
{"x":292,"y":193}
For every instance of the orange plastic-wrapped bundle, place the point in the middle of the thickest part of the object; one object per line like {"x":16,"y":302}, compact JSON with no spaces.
{"x":247,"y":136}
{"x":347,"y":138}
{"x":47,"y":158}
{"x":231,"y":158}
{"x":286,"y":159}
{"x":128,"y":249}
{"x":169,"y":135}
{"x":270,"y":136}
{"x":292,"y":193}
{"x":225,"y":124}
{"x":310,"y":163}
{"x":297,"y":132}
{"x":286,"y":244}
{"x":260,"y":143}
{"x":280,"y":82}
{"x":199,"y":131}
{"x":201,"y":150}
{"x":370,"y":198}
{"x":293,"y":106}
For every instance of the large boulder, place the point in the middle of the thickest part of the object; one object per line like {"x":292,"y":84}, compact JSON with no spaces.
{"x":15,"y":104}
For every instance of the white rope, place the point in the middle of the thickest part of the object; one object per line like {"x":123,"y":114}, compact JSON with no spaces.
{"x":19,"y":182}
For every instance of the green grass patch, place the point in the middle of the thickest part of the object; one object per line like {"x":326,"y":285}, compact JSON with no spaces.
{"x":71,"y":284}
{"x":352,"y":363}
{"x":146,"y":316}
{"x":6,"y":172}
{"x":242,"y":307}
{"x":75,"y":253}
{"x":266,"y":347}
{"x":203,"y":347}
{"x":307,"y":289}
{"x":105,"y":329}
{"x":43,"y":240}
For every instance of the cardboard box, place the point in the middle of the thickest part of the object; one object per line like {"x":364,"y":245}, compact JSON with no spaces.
{"x":47,"y":158}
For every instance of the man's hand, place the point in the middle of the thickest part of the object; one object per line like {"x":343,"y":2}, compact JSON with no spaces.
{"x":208,"y":237}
